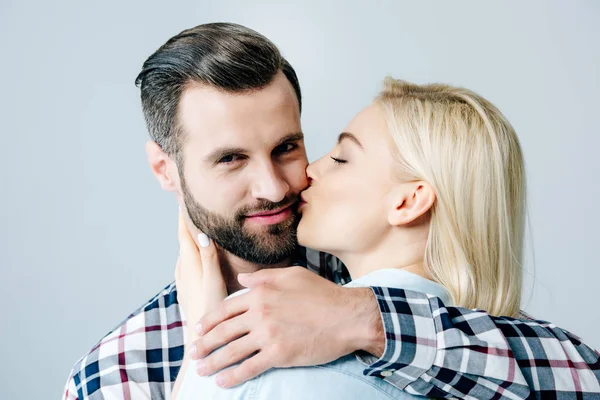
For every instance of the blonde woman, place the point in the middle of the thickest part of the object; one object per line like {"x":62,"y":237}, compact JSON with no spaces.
{"x":424,"y":191}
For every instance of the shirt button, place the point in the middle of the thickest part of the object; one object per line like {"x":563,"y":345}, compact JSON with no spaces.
{"x":387,"y":373}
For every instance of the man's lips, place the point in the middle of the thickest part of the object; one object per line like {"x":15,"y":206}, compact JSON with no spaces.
{"x":271,"y":217}
{"x":267,"y":213}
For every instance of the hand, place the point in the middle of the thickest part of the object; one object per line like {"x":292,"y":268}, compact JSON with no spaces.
{"x":290,"y":317}
{"x":200,"y":284}
{"x":198,"y":277}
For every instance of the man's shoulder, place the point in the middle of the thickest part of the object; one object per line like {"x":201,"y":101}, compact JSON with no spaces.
{"x":324,"y":264}
{"x":141,"y":355}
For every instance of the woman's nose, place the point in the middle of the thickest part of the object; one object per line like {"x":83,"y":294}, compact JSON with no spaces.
{"x":311,"y":172}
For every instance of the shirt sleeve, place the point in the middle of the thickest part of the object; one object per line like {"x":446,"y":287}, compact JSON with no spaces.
{"x":70,"y":392}
{"x":439,"y":351}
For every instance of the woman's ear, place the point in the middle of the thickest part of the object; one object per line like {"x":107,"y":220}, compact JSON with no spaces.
{"x":163,"y":168}
{"x":410,"y":201}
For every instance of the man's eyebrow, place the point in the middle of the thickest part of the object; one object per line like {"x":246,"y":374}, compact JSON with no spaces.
{"x":292,"y":137}
{"x":221,"y":152}
{"x":348,"y":135}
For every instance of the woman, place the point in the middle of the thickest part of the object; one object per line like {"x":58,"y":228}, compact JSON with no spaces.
{"x":424,"y":191}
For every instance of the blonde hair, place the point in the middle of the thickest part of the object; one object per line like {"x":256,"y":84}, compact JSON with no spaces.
{"x":464,"y":147}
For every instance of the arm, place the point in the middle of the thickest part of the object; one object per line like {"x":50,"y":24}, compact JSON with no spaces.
{"x":443,"y":351}
{"x":200,"y":287}
{"x":182,"y":372}
{"x":70,"y":392}
{"x":423,"y":345}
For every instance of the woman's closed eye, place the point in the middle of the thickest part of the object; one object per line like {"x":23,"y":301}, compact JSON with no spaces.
{"x":339,"y":160}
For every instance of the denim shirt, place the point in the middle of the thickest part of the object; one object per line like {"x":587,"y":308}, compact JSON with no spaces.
{"x":340,"y":379}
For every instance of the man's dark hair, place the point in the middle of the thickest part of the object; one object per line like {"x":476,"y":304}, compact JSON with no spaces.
{"x":226,"y":56}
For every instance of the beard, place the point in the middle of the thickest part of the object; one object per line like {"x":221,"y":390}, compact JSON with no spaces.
{"x":267,"y":246}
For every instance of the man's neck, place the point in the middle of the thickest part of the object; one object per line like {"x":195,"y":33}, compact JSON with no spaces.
{"x":232,"y":265}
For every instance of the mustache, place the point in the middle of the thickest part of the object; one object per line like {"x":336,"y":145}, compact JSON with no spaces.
{"x":266,"y":205}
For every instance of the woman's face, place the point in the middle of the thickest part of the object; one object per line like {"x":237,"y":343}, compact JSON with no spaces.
{"x":347,"y":202}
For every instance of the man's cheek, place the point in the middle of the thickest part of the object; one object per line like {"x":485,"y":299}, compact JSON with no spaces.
{"x":227,"y":196}
{"x":297,"y":177}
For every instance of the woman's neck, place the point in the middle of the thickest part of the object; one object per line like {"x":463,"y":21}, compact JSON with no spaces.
{"x":408,"y":257}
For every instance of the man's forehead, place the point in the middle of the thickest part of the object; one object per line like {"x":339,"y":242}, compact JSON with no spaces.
{"x":215,"y":118}
{"x":200,"y":101}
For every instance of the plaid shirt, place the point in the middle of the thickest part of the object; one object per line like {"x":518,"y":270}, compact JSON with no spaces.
{"x":431,"y":350}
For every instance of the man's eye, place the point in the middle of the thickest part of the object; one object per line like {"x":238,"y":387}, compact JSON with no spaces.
{"x":285,"y":148}
{"x":229,"y":158}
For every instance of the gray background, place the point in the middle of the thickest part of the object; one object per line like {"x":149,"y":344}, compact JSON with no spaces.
{"x":86,"y":233}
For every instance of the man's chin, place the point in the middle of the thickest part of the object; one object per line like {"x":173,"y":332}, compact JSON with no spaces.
{"x":272,"y":236}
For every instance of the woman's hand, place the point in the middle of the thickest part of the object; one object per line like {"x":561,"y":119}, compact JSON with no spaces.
{"x":291,"y":317}
{"x":198,"y":277}
{"x":200,"y":285}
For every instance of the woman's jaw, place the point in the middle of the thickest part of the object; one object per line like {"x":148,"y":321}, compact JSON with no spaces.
{"x":400,"y":248}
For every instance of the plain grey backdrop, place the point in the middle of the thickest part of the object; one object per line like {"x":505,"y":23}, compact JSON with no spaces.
{"x":86,"y":233}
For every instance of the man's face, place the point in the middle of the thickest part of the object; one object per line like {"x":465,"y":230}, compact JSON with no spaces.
{"x":243,"y":168}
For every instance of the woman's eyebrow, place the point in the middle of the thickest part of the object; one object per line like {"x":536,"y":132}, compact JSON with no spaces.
{"x":348,"y":135}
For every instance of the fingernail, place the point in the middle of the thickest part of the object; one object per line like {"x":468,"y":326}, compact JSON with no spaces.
{"x":203,"y":240}
{"x":193,"y":351}
{"x":199,"y":328}
{"x":201,"y":367}
{"x":220,"y":381}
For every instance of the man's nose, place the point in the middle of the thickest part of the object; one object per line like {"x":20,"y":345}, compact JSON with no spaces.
{"x":270,"y":184}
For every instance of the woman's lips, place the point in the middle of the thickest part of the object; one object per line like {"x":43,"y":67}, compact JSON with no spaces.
{"x":271,"y":217}
{"x":302,"y":202}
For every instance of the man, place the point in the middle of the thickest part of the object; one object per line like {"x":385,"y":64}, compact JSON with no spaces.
{"x":223,"y":110}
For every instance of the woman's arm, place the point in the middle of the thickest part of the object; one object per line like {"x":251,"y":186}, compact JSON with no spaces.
{"x":200,"y":287}
{"x":441,"y":351}
{"x":426,"y":348}
{"x":182,"y":371}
